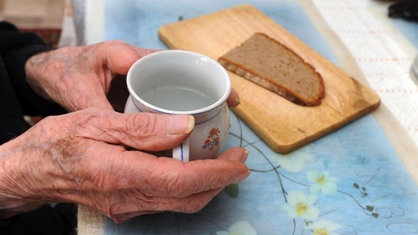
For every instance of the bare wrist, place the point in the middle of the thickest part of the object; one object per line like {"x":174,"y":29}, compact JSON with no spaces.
{"x":13,"y":197}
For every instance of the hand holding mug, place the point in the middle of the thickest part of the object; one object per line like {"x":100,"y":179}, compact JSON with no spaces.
{"x":81,"y":158}
{"x":184,"y":82}
{"x":86,"y":71}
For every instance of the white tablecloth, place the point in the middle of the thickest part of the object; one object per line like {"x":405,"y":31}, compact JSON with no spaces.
{"x":382,"y":53}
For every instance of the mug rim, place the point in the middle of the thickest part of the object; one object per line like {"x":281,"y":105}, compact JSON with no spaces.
{"x":210,"y":107}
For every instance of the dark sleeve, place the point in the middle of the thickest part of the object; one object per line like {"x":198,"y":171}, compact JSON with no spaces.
{"x":60,"y":219}
{"x":406,"y":9}
{"x":15,"y":49}
{"x":17,"y":99}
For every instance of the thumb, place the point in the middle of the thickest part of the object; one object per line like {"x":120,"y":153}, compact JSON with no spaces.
{"x":120,"y":56}
{"x":144,"y":131}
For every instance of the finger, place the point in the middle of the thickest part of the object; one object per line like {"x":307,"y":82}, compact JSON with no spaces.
{"x":234,"y":154}
{"x":144,"y":131}
{"x":233,"y":99}
{"x":126,"y":210}
{"x":166,"y":176}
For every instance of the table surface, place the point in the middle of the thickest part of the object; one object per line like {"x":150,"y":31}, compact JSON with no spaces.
{"x":369,"y":165}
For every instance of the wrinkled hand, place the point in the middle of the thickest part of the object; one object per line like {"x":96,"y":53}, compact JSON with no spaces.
{"x":82,"y":157}
{"x":80,"y":77}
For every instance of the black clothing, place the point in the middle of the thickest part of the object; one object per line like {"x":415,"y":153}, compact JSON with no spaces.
{"x":18,"y":99}
{"x":57,"y":220}
{"x":405,"y":9}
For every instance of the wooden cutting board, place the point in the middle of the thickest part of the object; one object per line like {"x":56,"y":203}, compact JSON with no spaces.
{"x":284,"y":126}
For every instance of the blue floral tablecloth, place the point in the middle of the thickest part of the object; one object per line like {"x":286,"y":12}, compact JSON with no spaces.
{"x":348,"y":182}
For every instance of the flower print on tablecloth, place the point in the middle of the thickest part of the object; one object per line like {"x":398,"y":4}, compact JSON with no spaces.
{"x":323,"y":227}
{"x":314,"y":197}
{"x":239,"y":228}
{"x":301,"y":204}
{"x":322,"y":182}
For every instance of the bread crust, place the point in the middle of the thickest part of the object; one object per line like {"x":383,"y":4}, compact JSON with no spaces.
{"x":279,"y":80}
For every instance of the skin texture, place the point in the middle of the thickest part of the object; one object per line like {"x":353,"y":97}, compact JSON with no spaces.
{"x":80,"y":77}
{"x":100,"y":158}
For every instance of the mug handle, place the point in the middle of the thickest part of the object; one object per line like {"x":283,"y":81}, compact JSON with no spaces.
{"x":182,"y":151}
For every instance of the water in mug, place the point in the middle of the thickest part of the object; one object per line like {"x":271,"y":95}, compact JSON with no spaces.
{"x":177,"y":98}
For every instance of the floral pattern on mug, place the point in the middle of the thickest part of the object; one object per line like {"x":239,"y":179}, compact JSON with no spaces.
{"x":213,"y":139}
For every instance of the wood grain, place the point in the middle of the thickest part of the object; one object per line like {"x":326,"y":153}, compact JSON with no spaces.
{"x":283,"y":125}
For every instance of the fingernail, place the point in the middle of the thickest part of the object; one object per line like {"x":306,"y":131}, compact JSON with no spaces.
{"x":180,"y":124}
{"x":236,"y":97}
{"x":243,"y":175}
{"x":244,"y":159}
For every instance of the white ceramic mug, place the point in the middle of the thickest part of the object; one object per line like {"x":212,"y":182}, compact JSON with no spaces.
{"x":184,"y":82}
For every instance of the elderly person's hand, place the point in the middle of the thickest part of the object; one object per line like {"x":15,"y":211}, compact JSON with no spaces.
{"x":80,"y":77}
{"x":86,"y":157}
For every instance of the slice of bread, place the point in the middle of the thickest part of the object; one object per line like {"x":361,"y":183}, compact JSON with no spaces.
{"x":272,"y":65}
